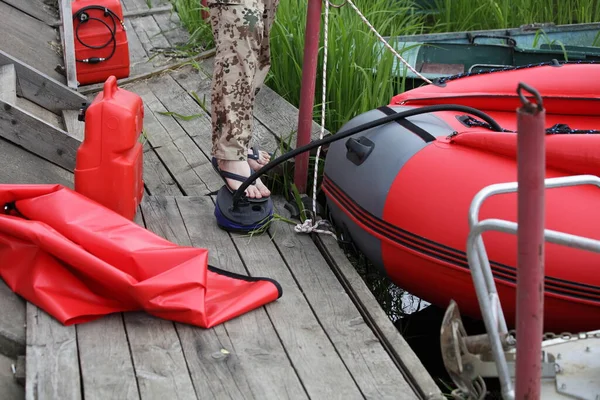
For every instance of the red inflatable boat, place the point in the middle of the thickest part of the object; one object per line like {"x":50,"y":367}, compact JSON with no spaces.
{"x":404,"y":201}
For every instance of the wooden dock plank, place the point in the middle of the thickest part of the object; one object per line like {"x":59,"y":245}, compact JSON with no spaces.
{"x":375,"y":372}
{"x":160,"y":366}
{"x":157,"y":178}
{"x":396,"y":345}
{"x":18,"y":165}
{"x":315,"y":358}
{"x":177,"y":97}
{"x":12,"y":323}
{"x":172,"y":144}
{"x":133,"y":5}
{"x":106,"y":368}
{"x":156,"y":350}
{"x":242,"y":358}
{"x":38,"y":9}
{"x":9,"y":387}
{"x":171,"y":27}
{"x":274,"y":112}
{"x":30,"y":40}
{"x":138,"y":58}
{"x":152,"y":39}
{"x":52,"y":366}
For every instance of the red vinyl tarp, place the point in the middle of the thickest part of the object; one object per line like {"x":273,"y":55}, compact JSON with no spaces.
{"x":79,"y":261}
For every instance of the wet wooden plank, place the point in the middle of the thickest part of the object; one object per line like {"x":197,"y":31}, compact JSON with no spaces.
{"x":104,"y":356}
{"x":365,"y":357}
{"x":415,"y":373}
{"x":12,"y":322}
{"x":52,"y":364}
{"x":254,"y":364}
{"x":30,"y":40}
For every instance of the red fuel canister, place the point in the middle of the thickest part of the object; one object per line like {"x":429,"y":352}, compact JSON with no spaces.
{"x":108,"y":167}
{"x":101,"y":47}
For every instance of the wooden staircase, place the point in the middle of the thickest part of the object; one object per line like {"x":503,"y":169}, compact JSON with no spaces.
{"x":38,"y":113}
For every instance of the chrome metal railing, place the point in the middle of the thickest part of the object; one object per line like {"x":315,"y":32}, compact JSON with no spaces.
{"x":481,"y":271}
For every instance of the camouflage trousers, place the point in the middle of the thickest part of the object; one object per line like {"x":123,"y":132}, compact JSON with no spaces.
{"x":241,"y":29}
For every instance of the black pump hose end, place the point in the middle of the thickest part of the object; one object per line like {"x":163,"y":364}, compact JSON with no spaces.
{"x":237,"y":195}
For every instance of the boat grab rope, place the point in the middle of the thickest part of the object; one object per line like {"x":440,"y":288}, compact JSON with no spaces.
{"x":557,"y":129}
{"x":442,"y":80}
{"x":307,"y":226}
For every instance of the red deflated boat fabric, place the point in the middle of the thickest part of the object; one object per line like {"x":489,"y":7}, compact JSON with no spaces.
{"x":79,"y":261}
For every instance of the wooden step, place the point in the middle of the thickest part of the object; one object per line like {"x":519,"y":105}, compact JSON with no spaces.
{"x":10,"y":93}
{"x":40,"y":112}
{"x":8,"y":83}
{"x":73,"y":125}
{"x":12,"y":322}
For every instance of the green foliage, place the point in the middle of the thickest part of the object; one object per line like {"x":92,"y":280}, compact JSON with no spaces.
{"x":462,"y":15}
{"x":353,"y":85}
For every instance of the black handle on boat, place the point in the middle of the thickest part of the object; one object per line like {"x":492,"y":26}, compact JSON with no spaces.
{"x":237,"y":195}
{"x":510,"y":41}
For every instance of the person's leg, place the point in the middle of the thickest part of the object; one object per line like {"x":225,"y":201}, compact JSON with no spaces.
{"x":238,"y":31}
{"x":264,"y":65}
{"x":264,"y":58}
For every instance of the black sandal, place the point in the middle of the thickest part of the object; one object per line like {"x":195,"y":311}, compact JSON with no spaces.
{"x":255,"y":154}
{"x":225,"y":174}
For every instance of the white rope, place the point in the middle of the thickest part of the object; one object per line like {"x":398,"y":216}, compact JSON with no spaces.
{"x":383,"y":40}
{"x":307,"y":226}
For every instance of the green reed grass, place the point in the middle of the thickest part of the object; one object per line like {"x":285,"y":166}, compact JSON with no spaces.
{"x":359,"y":69}
{"x":461,"y":15}
{"x":353,"y":86}
{"x":190,"y":14}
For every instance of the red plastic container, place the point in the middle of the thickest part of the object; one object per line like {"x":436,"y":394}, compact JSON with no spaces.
{"x":100,"y":38}
{"x":108,"y":167}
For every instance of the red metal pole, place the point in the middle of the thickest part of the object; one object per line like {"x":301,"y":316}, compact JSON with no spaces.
{"x":531,"y":169}
{"x":307,"y":91}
